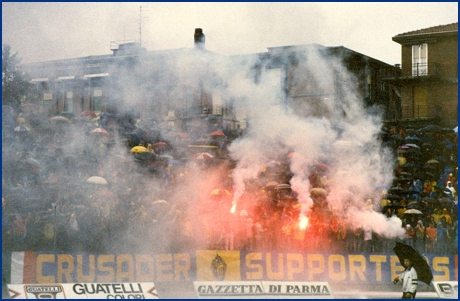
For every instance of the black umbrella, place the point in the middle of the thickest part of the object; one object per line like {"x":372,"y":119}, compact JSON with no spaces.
{"x":431,"y":128}
{"x":396,"y":190}
{"x":415,"y":206}
{"x":403,"y":179}
{"x":430,"y":175}
{"x":392,"y":197}
{"x":412,"y":139}
{"x":404,"y":251}
{"x":145,"y":157}
{"x":429,"y":200}
{"x":391,"y":205}
{"x":408,"y":165}
{"x":403,"y":173}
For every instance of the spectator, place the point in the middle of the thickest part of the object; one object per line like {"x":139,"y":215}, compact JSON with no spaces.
{"x":410,"y":234}
{"x":455,"y":240}
{"x":431,"y":237}
{"x":426,"y":190}
{"x":436,"y":216}
{"x":451,"y":189}
{"x":249,"y":235}
{"x":419,"y":239}
{"x":442,"y":241}
{"x":418,"y":187}
{"x":19,"y":230}
{"x":259,"y":236}
{"x":368,"y":242}
{"x":428,"y":218}
{"x":186,"y":233}
{"x":446,"y":216}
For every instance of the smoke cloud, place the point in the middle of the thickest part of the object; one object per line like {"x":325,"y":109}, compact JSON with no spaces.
{"x":334,"y":133}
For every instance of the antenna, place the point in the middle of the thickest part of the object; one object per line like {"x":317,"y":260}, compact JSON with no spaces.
{"x":141,"y":9}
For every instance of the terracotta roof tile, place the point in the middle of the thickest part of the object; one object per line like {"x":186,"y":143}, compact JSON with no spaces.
{"x":434,"y":29}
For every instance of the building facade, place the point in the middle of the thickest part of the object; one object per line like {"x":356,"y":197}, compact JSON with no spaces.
{"x":429,"y":76}
{"x":314,"y":79}
{"x":185,"y":88}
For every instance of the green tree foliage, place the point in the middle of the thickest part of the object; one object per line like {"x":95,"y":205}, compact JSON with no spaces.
{"x":14,"y":81}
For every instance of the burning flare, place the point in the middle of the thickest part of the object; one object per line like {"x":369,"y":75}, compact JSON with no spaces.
{"x":233,"y":207}
{"x":303,"y":222}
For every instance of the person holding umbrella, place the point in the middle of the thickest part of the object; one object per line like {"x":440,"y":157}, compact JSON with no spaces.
{"x":416,"y":268}
{"x":409,"y":280}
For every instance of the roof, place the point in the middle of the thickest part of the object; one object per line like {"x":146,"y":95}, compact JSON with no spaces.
{"x":434,"y":29}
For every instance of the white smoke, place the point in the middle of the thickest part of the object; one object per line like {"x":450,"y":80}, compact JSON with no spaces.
{"x":340,"y":134}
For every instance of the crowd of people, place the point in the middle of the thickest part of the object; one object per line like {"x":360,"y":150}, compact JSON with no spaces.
{"x":150,"y":200}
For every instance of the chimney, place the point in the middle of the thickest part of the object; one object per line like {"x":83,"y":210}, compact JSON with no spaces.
{"x":199,"y":39}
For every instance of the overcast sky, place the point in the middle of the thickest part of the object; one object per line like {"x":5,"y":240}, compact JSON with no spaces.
{"x":52,"y":31}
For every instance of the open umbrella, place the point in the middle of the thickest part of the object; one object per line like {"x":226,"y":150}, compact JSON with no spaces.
{"x":30,"y":163}
{"x":432,"y":161}
{"x":89,"y":114}
{"x":431,"y":175}
{"x":392,"y":197}
{"x":58,"y":119}
{"x":411,"y":145}
{"x":412,"y":139}
{"x":283,"y":186}
{"x":97,"y":180}
{"x":318,"y":192}
{"x":413,"y":211}
{"x":445,"y":201}
{"x":403,"y":173}
{"x":218,"y":133}
{"x":416,"y":206}
{"x":429,"y":200}
{"x":100,"y":131}
{"x":160,"y":206}
{"x":271,"y":184}
{"x":431,"y":128}
{"x":161,"y":146}
{"x":203,"y":156}
{"x":272,"y":163}
{"x":391,"y":205}
{"x":183,"y":136}
{"x":396,"y":189}
{"x":21,"y":128}
{"x":145,"y":157}
{"x":419,"y":263}
{"x":139,"y":149}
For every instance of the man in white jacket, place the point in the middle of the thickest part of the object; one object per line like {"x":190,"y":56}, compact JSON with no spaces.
{"x":409,"y":280}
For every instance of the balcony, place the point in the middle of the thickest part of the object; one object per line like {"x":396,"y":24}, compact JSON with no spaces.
{"x":425,"y":69}
{"x":421,"y":111}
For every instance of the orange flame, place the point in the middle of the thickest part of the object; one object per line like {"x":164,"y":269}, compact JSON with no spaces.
{"x":303,"y":222}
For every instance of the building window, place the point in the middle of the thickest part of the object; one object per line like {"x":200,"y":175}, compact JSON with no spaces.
{"x":68,"y":104}
{"x":97,"y":98}
{"x":369,"y":86}
{"x":420,"y":60}
{"x":216,"y":110}
{"x":47,"y":101}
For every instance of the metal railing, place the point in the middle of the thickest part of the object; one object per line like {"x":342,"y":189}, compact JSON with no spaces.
{"x":425,"y":69}
{"x":194,"y":111}
{"x":421,"y":111}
